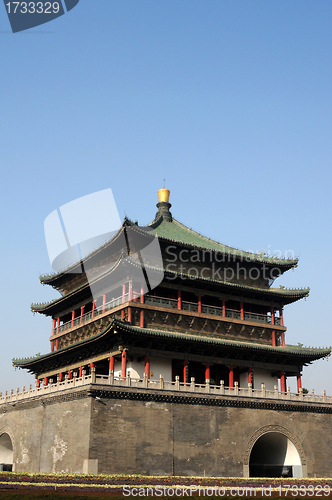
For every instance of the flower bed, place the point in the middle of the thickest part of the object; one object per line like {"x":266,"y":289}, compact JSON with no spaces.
{"x":123,"y":485}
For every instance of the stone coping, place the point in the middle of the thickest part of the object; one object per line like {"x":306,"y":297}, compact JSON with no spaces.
{"x":164,"y":386}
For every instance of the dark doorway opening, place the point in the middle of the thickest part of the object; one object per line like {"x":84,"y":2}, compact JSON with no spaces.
{"x":274,"y":455}
{"x":6,"y":453}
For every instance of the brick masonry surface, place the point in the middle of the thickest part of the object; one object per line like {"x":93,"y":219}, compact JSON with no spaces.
{"x":123,"y":430}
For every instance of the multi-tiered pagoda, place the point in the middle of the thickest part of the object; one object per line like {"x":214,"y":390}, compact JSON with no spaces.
{"x":203,"y":310}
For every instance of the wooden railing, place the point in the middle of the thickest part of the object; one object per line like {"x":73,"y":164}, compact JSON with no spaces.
{"x":169,"y":303}
{"x":91,"y":314}
{"x":213,"y":310}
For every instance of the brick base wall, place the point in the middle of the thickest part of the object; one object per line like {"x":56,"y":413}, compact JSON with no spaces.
{"x":122,"y":430}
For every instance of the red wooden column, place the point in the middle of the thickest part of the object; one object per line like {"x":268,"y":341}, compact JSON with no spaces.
{"x":231,"y":376}
{"x":80,"y":372}
{"x":282,"y":381}
{"x":147,"y":366}
{"x":82,"y":312}
{"x":299,"y":382}
{"x":250,"y":375}
{"x":199,"y":303}
{"x":129,"y":314}
{"x":207,"y":372}
{"x":179,"y":299}
{"x":124,"y":364}
{"x":111,"y":364}
{"x":141,"y":314}
{"x":123,"y":299}
{"x":283,"y":339}
{"x":72,"y":318}
{"x":130,"y":298}
{"x":223,"y":308}
{"x":70,"y":374}
{"x":52,"y":346}
{"x":141,"y":319}
{"x":53,"y":327}
{"x":272,"y":323}
{"x":93,"y":308}
{"x":185,"y":369}
{"x":56,"y":344}
{"x":104,"y":302}
{"x":281,"y":314}
{"x":242,"y":310}
{"x":57,"y":326}
{"x":45,"y":381}
{"x":60,"y":376}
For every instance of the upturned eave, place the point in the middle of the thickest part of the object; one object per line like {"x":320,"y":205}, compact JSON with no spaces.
{"x":304,"y":354}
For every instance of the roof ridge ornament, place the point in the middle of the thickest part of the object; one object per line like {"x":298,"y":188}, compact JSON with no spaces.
{"x":163,"y":195}
{"x":164,"y":205}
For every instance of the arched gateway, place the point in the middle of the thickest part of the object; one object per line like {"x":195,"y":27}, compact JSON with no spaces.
{"x":274,"y":452}
{"x":6,"y":452}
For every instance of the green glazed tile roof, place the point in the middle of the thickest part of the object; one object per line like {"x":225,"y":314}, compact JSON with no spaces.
{"x":289,"y":349}
{"x":282,"y":292}
{"x":38,"y":357}
{"x":305,"y":352}
{"x":177,"y":232}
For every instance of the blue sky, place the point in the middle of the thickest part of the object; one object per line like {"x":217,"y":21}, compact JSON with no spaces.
{"x":229,"y":101}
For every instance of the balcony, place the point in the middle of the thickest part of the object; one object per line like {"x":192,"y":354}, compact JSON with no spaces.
{"x":161,"y":312}
{"x":172,"y":304}
{"x":90,"y":315}
{"x":187,"y":389}
{"x":212,"y":310}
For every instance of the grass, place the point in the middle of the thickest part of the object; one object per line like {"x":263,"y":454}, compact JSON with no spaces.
{"x":42,"y":495}
{"x":65,"y":496}
{"x":65,"y":486}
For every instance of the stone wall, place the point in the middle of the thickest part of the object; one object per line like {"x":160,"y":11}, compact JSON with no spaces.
{"x":49,"y":433}
{"x":197,"y":435}
{"x":109,"y":429}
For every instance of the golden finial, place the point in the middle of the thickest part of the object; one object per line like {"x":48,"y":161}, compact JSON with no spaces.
{"x":163,"y":195}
